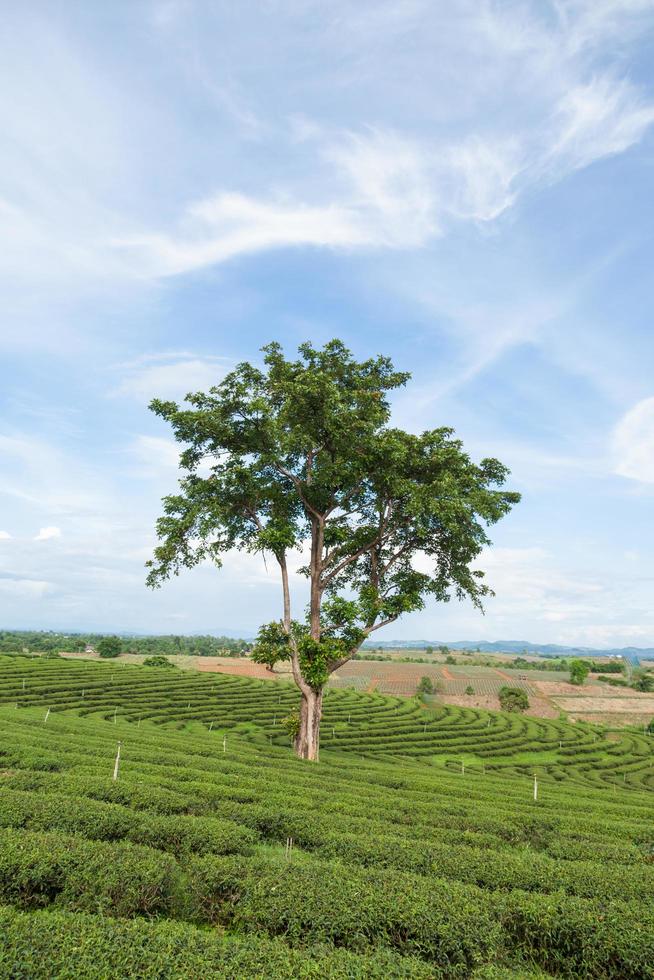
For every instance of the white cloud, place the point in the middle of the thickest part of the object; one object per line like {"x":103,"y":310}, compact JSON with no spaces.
{"x":4,"y":535}
{"x":225,"y":225}
{"x":35,"y":471}
{"x":23,"y":588}
{"x":169,"y":376}
{"x":155,"y":454}
{"x":633,"y":443}
{"x":47,"y":533}
{"x":366,"y":184}
{"x":603,"y":117}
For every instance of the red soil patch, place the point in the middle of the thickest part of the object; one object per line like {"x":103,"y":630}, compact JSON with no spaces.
{"x":233,"y":665}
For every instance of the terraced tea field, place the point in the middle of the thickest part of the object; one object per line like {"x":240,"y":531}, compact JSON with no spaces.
{"x":415,"y":848}
{"x":402,"y":679}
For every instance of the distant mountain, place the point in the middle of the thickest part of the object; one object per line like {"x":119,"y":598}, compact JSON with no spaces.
{"x":517,"y":647}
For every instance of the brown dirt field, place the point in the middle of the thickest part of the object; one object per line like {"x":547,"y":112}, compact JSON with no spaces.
{"x":612,"y":719}
{"x":550,"y":689}
{"x":611,"y":706}
{"x":240,"y":666}
{"x":538,"y":707}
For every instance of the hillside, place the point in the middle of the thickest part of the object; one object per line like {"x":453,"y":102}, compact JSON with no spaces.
{"x":415,"y":848}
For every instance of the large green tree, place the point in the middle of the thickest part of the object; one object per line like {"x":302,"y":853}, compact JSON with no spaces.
{"x":301,"y":454}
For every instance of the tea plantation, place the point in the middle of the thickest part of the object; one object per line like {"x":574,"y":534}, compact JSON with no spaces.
{"x":415,"y":848}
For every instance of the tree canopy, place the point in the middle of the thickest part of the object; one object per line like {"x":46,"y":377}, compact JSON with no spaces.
{"x":579,"y":671}
{"x":300,"y":454}
{"x":513,"y":699}
{"x":110,"y":646}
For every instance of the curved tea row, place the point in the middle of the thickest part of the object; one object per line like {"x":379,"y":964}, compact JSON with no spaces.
{"x":368,"y":725}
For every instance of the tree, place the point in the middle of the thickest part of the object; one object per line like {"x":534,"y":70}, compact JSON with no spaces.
{"x":426,"y":686}
{"x":109,"y":646}
{"x":579,"y":671}
{"x":157,"y":661}
{"x":470,"y":689}
{"x":301,"y":453}
{"x":643,"y":681}
{"x":513,"y":699}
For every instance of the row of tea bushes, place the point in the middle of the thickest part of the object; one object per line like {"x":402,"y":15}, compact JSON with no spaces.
{"x":354,"y":723}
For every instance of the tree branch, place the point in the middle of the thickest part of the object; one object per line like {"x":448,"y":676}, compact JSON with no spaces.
{"x":297,"y":483}
{"x":377,"y":626}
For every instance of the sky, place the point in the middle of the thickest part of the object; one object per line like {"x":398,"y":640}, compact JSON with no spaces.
{"x":465,"y":186}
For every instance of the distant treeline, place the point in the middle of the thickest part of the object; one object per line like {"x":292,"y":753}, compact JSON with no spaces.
{"x":473,"y":659}
{"x":33,"y":641}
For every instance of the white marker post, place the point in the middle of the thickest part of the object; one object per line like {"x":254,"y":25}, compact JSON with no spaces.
{"x":225,"y":744}
{"x":47,"y":715}
{"x":24,"y":689}
{"x":117,"y":763}
{"x":535,"y":787}
{"x":115,"y":713}
{"x":210,"y":726}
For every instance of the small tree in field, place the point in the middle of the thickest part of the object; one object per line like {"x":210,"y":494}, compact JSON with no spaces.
{"x":579,"y":671}
{"x":157,"y":661}
{"x":301,"y":453}
{"x":426,"y":686}
{"x":513,"y":699}
{"x":109,"y":646}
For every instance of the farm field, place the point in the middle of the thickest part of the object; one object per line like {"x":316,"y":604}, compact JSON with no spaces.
{"x":548,"y":690}
{"x":415,"y":848}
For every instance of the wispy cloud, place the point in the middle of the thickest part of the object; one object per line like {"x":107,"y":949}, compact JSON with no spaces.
{"x":48,"y":533}
{"x":168,"y":375}
{"x":633,"y":443}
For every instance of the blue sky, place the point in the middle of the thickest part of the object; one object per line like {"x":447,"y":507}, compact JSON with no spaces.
{"x":466,"y":186}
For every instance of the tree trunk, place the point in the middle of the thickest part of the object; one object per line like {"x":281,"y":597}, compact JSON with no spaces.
{"x":307,"y":742}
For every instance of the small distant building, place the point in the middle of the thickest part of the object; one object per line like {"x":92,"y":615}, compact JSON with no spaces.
{"x":89,"y":648}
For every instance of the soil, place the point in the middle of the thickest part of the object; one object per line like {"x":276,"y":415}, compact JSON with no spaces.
{"x":611,"y":706}
{"x":538,"y":707}
{"x":241,"y":666}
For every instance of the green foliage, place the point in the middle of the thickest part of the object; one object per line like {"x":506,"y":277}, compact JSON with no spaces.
{"x":49,"y":944}
{"x":157,"y":661}
{"x":110,"y":646}
{"x":643,"y":681}
{"x":470,"y":689}
{"x":302,"y":451}
{"x":513,"y":699}
{"x":51,"y":642}
{"x":272,"y":644}
{"x":426,"y":686}
{"x":579,"y":671}
{"x":117,"y":879}
{"x":291,"y":724}
{"x":607,"y":667}
{"x":397,"y":870}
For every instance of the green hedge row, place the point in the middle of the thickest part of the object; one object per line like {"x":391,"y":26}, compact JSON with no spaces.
{"x":39,"y":870}
{"x":110,"y":821}
{"x":450,"y":924}
{"x":44,"y":945}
